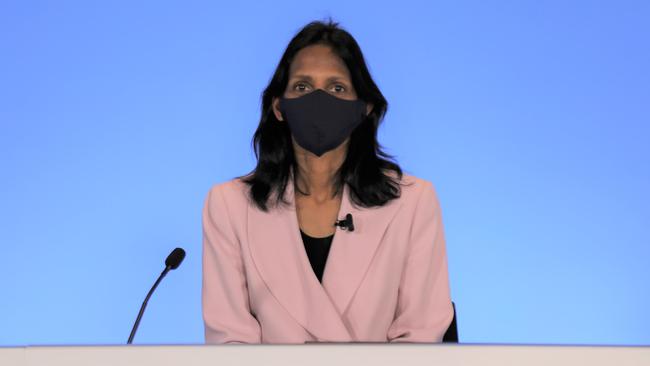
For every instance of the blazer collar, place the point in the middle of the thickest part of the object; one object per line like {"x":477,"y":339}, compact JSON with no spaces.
{"x":279,"y":255}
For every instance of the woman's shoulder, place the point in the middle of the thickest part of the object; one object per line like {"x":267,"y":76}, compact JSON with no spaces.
{"x":418,"y":196}
{"x":410,"y":184}
{"x":413,"y":189}
{"x":232,"y":190}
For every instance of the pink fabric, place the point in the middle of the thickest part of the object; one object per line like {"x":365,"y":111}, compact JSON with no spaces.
{"x":386,"y":281}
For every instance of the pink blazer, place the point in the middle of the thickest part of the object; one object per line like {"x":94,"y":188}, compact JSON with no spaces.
{"x":386,"y":281}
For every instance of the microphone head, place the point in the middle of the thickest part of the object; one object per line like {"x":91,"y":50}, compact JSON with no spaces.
{"x":175,"y":258}
{"x":348,"y":218}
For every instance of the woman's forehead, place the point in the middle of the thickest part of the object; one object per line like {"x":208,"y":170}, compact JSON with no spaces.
{"x":318,"y":61}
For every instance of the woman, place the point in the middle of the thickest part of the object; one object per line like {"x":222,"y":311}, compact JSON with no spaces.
{"x":325,"y":240}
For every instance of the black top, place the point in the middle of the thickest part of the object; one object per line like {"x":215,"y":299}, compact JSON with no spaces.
{"x":317,"y":251}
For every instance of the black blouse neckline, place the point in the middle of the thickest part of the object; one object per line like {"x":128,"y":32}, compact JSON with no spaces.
{"x":317,"y":251}
{"x":315,"y":238}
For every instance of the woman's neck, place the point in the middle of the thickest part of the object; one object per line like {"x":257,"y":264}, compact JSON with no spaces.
{"x":318,"y":177}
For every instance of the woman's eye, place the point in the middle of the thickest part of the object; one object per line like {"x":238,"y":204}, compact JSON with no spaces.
{"x":339,"y":88}
{"x":300,"y":87}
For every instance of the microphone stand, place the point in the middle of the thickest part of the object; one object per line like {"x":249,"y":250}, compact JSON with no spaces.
{"x":144,"y":304}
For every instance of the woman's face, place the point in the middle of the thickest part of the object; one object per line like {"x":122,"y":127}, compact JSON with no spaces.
{"x":317,"y":67}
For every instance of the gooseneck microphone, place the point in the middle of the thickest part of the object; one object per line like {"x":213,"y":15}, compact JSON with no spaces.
{"x":173,"y":260}
{"x":345,"y":224}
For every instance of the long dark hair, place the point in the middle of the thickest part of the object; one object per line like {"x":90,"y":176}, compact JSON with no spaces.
{"x":365,"y":166}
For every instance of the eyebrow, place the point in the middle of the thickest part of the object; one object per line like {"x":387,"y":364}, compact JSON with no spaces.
{"x":307,"y":77}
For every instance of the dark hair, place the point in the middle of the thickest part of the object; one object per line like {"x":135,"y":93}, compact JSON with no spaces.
{"x":365,"y":164}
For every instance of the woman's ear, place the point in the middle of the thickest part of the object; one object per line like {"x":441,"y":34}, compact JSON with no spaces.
{"x":276,"y":109}
{"x":369,"y":108}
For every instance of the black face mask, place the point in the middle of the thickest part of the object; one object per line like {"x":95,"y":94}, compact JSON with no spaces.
{"x":320,"y":121}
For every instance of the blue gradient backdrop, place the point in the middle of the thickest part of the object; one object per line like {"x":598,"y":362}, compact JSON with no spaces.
{"x":531,"y":119}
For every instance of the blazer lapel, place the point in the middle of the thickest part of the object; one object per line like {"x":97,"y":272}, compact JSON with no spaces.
{"x":352,"y":251}
{"x":279,"y":255}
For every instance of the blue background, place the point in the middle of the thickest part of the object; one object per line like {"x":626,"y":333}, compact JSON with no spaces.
{"x":530,"y":118}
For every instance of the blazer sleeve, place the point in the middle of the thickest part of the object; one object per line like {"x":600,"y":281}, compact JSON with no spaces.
{"x":424,"y":309}
{"x":226,"y":310}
